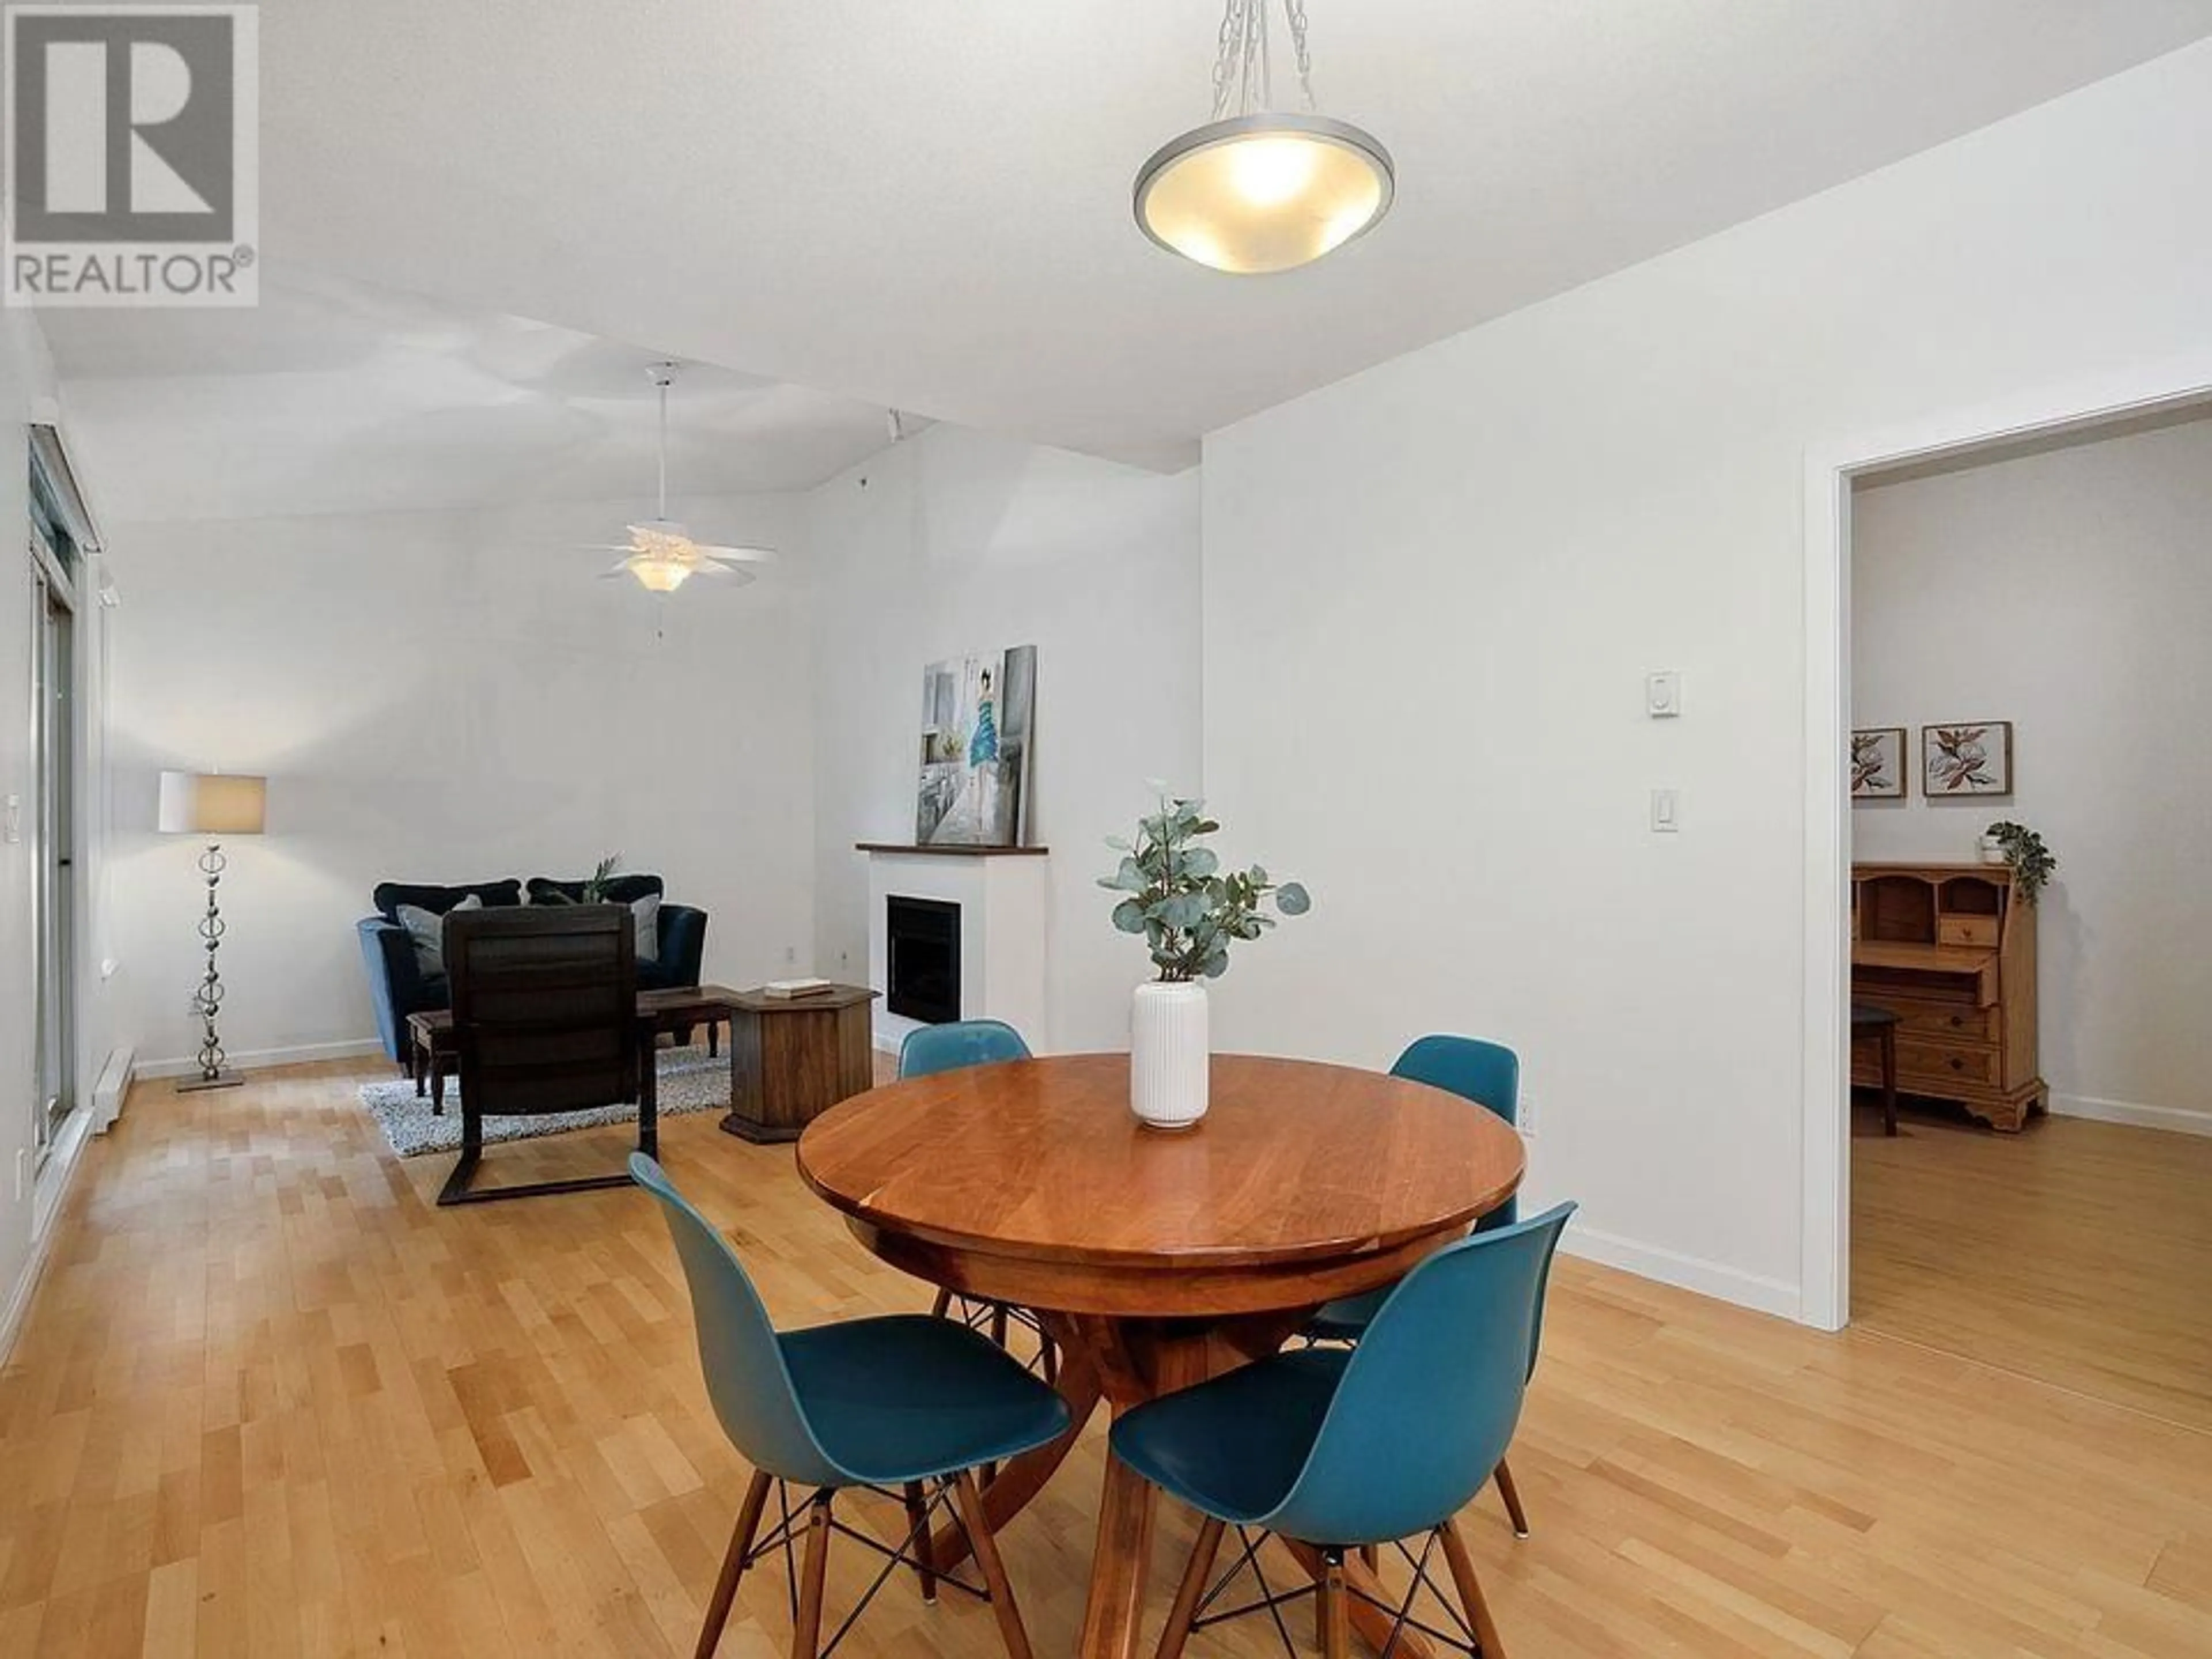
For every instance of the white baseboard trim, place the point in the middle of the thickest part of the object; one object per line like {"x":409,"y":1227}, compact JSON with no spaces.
{"x":18,"y":1299}
{"x":2173,"y":1118}
{"x":254,"y":1060}
{"x":53,"y":1189}
{"x":1688,"y":1273}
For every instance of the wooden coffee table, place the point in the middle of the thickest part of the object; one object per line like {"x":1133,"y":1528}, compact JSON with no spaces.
{"x":432,"y":1049}
{"x":431,"y":1052}
{"x":791,"y":1058}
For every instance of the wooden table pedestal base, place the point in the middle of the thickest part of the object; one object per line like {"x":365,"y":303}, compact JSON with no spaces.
{"x":1126,"y":1361}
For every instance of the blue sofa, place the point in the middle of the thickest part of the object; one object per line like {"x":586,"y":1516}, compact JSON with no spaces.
{"x":397,"y":986}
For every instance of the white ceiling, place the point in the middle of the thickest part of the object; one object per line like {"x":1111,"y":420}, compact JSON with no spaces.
{"x":925,"y":203}
{"x":334,"y":397}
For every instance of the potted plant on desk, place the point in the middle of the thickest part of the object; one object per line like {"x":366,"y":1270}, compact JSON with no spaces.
{"x":2015,"y":844}
{"x":1190,"y":910}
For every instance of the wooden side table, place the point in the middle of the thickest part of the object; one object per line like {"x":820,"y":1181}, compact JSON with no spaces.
{"x":793,"y":1058}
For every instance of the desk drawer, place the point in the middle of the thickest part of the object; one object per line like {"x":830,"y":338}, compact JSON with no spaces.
{"x":1933,"y":1061}
{"x":1942,"y":1022}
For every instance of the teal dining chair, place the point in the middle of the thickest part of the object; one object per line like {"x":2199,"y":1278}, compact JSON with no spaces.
{"x":957,"y":1043}
{"x":1335,"y":1448}
{"x":952,"y":1047}
{"x":1489,"y":1074}
{"x":904,"y":1404}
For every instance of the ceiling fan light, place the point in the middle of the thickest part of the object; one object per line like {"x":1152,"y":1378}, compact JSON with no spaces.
{"x":1255,"y":194}
{"x":658,"y":574}
{"x":661,"y":554}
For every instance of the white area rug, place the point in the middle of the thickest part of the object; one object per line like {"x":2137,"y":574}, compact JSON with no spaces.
{"x":689,"y":1082}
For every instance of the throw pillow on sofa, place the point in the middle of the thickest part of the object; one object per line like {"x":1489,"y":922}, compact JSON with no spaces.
{"x":426,"y":930}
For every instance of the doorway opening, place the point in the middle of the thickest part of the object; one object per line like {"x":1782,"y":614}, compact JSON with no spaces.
{"x":56,"y":565}
{"x":2029,"y":682}
{"x":2052,"y":416}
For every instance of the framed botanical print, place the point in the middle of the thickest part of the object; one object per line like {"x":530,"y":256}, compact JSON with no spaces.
{"x":1878,"y":763}
{"x":1960,"y":759}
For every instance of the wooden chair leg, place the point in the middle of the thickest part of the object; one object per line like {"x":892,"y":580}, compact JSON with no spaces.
{"x":1511,"y":1494}
{"x":1470,"y":1592}
{"x":1177,"y":1633}
{"x":806,"y":1629}
{"x":969,"y":1498}
{"x":1335,"y":1609}
{"x":733,"y":1567}
{"x":917,"y":1527}
{"x":942,"y":1305}
{"x":999,"y":1324}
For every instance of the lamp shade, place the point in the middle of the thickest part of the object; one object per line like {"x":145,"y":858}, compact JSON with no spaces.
{"x":1264,"y":192}
{"x":212,"y":804}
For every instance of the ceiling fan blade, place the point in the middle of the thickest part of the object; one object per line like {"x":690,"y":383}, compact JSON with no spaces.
{"x":735,"y":555}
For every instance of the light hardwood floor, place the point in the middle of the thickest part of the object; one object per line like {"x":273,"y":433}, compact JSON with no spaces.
{"x":2077,"y":1253}
{"x":270,"y":1402}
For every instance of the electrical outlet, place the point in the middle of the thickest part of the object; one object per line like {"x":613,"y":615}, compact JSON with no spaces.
{"x":1525,"y":1114}
{"x":22,"y":1173}
{"x":790,"y":955}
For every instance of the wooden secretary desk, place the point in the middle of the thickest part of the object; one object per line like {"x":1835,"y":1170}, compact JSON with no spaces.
{"x":1950,"y":949}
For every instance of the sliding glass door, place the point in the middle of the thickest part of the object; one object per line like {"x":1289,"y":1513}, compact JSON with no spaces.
{"x":51,"y":827}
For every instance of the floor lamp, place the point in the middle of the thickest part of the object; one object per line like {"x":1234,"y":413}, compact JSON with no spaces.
{"x":214,"y":805}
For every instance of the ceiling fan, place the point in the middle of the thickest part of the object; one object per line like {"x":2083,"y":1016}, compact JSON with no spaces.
{"x":660,"y":553}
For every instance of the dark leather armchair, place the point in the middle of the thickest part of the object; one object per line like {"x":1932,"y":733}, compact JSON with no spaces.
{"x":544,"y":1021}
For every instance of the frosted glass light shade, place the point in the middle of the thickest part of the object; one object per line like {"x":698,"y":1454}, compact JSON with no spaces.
{"x":212,"y":804}
{"x":1260,"y":193}
{"x":657,"y":575}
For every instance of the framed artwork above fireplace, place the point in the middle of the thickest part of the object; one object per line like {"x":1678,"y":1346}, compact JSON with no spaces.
{"x":977,"y":715}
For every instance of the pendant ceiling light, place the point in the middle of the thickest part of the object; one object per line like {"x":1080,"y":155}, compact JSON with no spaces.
{"x":1258,"y":189}
{"x":661,"y":554}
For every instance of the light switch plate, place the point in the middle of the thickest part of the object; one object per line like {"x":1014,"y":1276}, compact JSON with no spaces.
{"x":1666,"y":812}
{"x":1663,"y":695}
{"x":13,"y":831}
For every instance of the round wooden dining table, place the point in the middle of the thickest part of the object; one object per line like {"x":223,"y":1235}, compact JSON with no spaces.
{"x":1153,"y":1259}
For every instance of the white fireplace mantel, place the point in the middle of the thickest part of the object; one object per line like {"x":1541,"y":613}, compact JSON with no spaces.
{"x":1002,"y":893}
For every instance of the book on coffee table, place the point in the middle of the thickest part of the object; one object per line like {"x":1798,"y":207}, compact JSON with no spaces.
{"x":794,"y":988}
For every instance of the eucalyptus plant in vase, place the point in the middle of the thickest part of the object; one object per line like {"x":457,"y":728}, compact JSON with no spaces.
{"x":1190,"y":909}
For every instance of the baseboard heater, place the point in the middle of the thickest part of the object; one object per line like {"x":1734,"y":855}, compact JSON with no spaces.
{"x":107,"y":1094}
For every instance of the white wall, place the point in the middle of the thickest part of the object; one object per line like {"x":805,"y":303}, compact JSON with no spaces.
{"x":960,"y":541}
{"x":1432,"y":593}
{"x":441,"y":697}
{"x":2071,"y":593}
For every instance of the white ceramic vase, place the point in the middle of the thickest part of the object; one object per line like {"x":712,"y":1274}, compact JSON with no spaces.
{"x":1168,"y":1054}
{"x":1992,"y":850}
